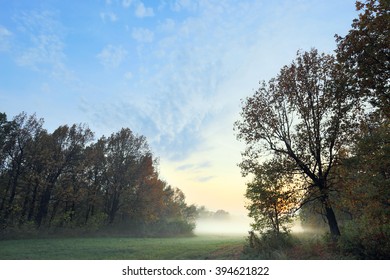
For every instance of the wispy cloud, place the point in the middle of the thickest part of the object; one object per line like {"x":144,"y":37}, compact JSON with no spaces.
{"x":189,"y":82}
{"x":179,"y":5}
{"x":45,"y":87}
{"x":44,"y":50}
{"x":194,"y":167}
{"x":189,"y":70}
{"x":108,"y":16}
{"x":128,"y":75}
{"x":126,"y":3}
{"x":184,"y":71}
{"x":47,"y":49}
{"x":168,"y":25}
{"x":141,"y":11}
{"x":185,"y":167}
{"x":5,"y":36}
{"x":203,"y":179}
{"x":205,"y":164}
{"x":112,"y":56}
{"x":4,"y":31}
{"x":142,"y":35}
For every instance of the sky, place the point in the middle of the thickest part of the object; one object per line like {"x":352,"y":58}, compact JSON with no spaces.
{"x":172,"y":70}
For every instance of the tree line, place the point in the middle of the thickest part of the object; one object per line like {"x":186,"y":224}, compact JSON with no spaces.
{"x":317,"y":139}
{"x":64,"y":180}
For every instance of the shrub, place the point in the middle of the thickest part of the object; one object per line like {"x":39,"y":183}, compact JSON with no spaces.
{"x":366,"y":240}
{"x":269,"y":245}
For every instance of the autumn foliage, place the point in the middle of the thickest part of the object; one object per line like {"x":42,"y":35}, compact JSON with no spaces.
{"x":65,"y":182}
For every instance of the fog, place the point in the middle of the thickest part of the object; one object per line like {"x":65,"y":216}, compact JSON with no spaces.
{"x":296,"y":226}
{"x":238,"y":226}
{"x":230,"y":226}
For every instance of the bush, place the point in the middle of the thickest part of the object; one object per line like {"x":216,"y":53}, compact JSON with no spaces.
{"x":269,"y":245}
{"x":172,"y":228}
{"x":365,"y":240}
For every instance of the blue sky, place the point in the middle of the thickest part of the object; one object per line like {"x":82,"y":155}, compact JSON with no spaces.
{"x":174,"y":71}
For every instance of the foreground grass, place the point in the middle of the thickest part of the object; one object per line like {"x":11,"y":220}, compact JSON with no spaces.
{"x":119,"y":248}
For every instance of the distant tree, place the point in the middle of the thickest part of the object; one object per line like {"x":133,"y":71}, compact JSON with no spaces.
{"x":175,"y":205}
{"x":365,"y":53}
{"x":177,"y":217}
{"x":221,"y":214}
{"x":303,"y":115}
{"x":203,"y":213}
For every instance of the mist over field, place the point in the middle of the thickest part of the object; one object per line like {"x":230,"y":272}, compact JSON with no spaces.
{"x":231,"y":226}
{"x":239,"y":226}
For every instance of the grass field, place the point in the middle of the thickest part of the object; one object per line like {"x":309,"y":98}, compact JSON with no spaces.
{"x":119,"y":248}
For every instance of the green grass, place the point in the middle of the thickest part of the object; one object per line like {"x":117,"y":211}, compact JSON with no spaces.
{"x":119,"y":248}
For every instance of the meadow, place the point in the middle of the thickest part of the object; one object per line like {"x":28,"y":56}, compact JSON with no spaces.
{"x":123,"y":248}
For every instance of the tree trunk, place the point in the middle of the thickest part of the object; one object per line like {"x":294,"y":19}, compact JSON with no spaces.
{"x":2,"y":206}
{"x":87,"y":214}
{"x":331,"y":218}
{"x":329,"y":213}
{"x":332,"y":222}
{"x":14,"y":184}
{"x":54,"y":212}
{"x":277,"y":228}
{"x":45,"y":198}
{"x":113,"y":211}
{"x":114,"y":208}
{"x":33,"y":200}
{"x":43,"y":206}
{"x":22,"y":218}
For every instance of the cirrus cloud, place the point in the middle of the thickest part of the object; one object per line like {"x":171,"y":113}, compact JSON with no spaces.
{"x":5,"y":35}
{"x":109,"y":15}
{"x":141,"y":11}
{"x":112,"y":56}
{"x":126,"y":3}
{"x":43,"y":47}
{"x":142,"y":35}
